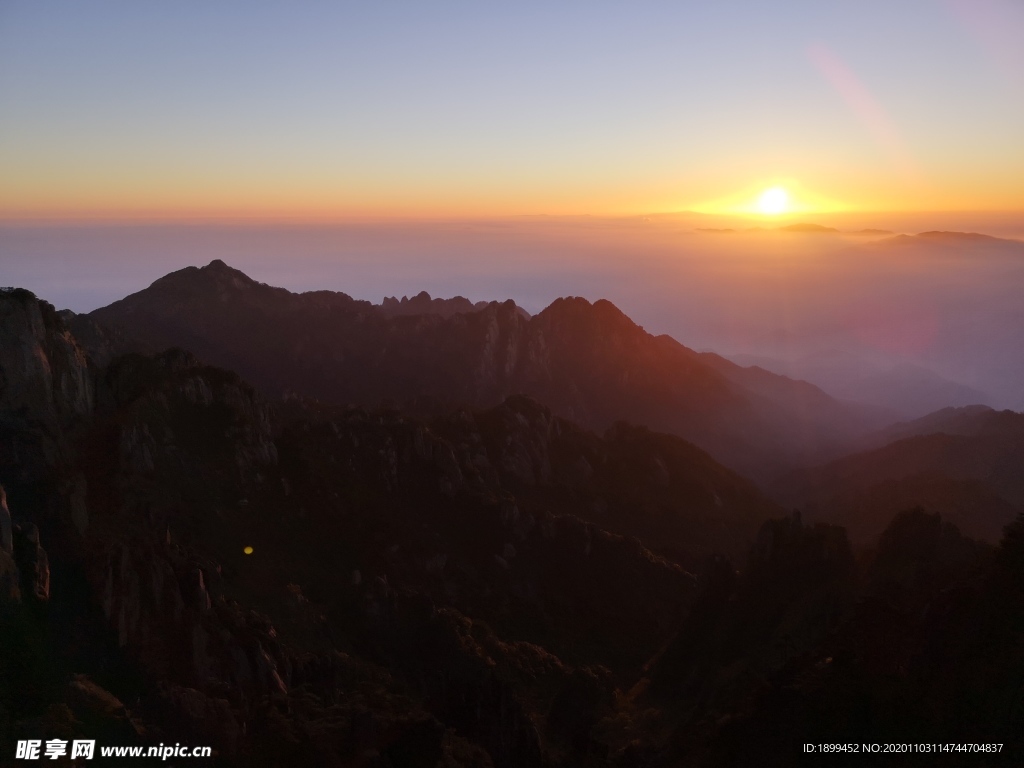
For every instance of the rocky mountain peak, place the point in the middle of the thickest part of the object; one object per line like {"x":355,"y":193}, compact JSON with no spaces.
{"x":601,"y":315}
{"x":423,"y":304}
{"x":217,"y":273}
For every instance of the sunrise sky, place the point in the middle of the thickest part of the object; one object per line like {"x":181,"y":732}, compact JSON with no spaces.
{"x":322,"y":110}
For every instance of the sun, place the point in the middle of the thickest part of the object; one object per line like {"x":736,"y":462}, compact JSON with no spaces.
{"x":771,"y":198}
{"x":773,"y":201}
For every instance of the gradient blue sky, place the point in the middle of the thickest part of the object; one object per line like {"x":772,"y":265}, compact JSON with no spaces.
{"x":333,"y":109}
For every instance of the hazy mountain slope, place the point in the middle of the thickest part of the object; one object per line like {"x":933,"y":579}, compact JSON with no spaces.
{"x":902,"y":388}
{"x":967,"y":463}
{"x":589,"y":362}
{"x":968,"y":421}
{"x":659,"y":488}
{"x":801,"y":405}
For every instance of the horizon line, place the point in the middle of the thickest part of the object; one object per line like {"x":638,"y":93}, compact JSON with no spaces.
{"x":256,"y":219}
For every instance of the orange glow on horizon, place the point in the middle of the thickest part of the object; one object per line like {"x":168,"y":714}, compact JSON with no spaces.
{"x":316,"y":200}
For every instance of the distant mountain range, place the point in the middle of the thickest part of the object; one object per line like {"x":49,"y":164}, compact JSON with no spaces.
{"x":587,"y":361}
{"x":973,"y":239}
{"x":933,"y":237}
{"x":904,"y":389}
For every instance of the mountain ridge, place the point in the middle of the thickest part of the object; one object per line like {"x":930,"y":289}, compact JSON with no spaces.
{"x":588,"y":361}
{"x":943,"y":237}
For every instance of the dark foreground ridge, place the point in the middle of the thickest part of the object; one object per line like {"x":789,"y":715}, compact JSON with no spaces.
{"x":301,"y":584}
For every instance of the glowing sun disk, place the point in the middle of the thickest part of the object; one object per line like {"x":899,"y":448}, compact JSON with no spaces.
{"x":773,"y":201}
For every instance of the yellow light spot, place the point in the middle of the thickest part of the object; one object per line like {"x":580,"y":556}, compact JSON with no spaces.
{"x":773,"y":201}
{"x":248,"y":550}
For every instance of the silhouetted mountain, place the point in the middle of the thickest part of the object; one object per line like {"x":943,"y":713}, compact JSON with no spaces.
{"x":422,"y":304}
{"x":806,"y":645}
{"x":794,"y":588}
{"x":588,"y":362}
{"x":300,"y":584}
{"x":296,"y":583}
{"x":963,"y":462}
{"x":902,"y":662}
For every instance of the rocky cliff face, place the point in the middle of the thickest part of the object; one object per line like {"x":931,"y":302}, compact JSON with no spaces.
{"x":47,"y":398}
{"x":44,"y":373}
{"x":10,"y":577}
